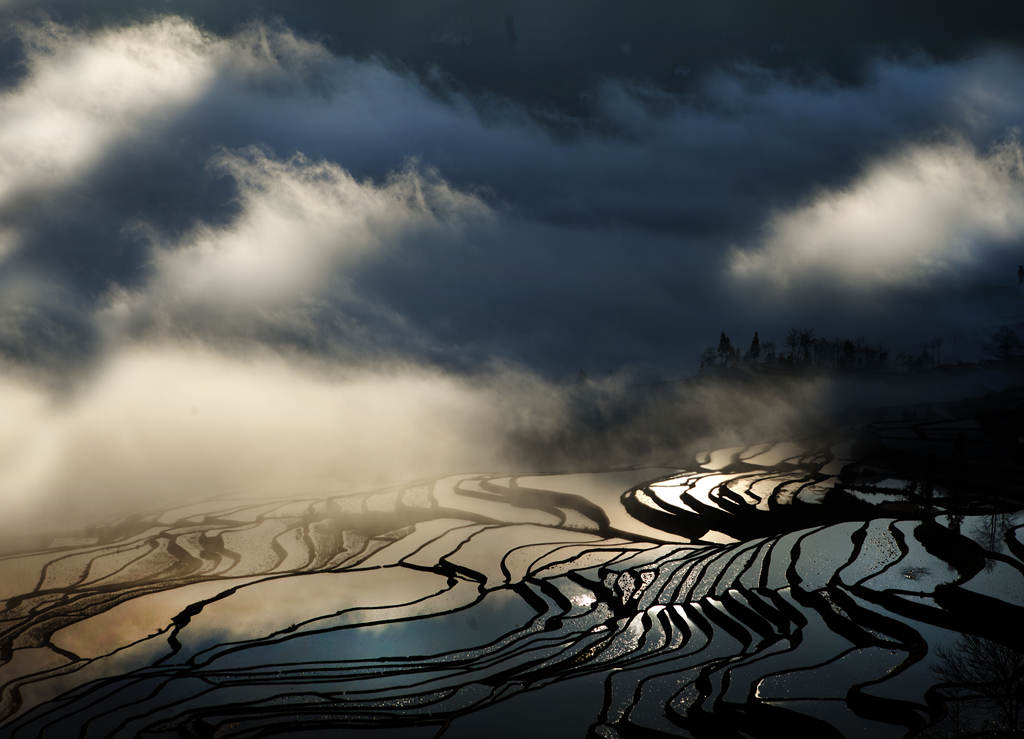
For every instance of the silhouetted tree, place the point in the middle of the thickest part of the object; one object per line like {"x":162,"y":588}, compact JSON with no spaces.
{"x":848,"y":355}
{"x":807,"y":350}
{"x":806,"y":339}
{"x":792,"y":341}
{"x":725,"y":350}
{"x":1005,"y":344}
{"x":755,"y":348}
{"x":990,"y":670}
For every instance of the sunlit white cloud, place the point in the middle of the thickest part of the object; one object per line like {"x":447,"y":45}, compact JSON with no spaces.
{"x":923,"y":212}
{"x":86,"y":94}
{"x":300,"y":224}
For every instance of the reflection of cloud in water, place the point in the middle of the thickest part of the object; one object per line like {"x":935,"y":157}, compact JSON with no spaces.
{"x":135,"y":619}
{"x":303,"y":603}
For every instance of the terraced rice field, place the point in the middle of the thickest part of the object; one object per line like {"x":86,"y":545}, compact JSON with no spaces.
{"x":779,"y":587}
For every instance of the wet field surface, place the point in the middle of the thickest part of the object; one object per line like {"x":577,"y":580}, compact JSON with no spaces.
{"x":780,"y":587}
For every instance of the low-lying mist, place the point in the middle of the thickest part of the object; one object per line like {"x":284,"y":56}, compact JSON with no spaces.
{"x":163,"y":423}
{"x":157,"y":424}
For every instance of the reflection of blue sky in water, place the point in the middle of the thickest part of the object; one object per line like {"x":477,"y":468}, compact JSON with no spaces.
{"x":421,"y":634}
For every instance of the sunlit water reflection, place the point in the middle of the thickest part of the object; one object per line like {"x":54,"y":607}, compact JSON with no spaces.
{"x":767,"y":588}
